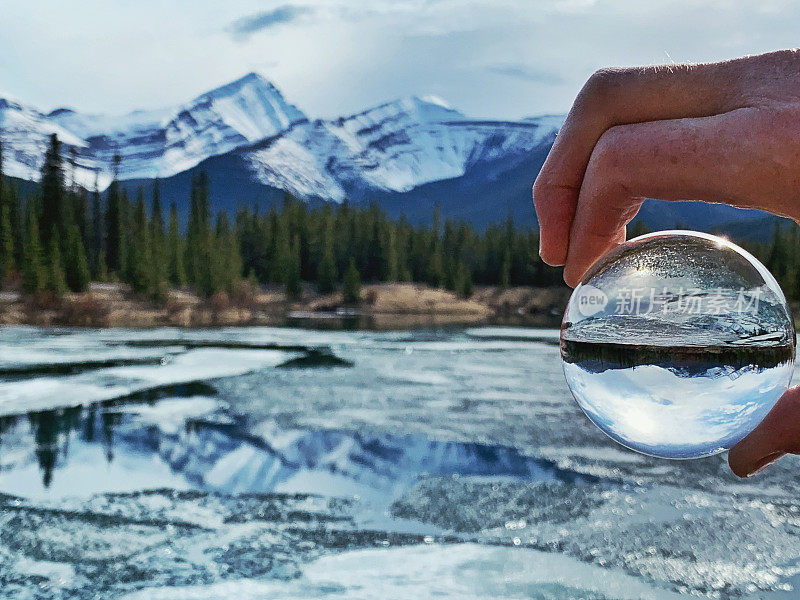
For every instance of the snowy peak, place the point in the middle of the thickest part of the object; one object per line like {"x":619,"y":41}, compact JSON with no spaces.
{"x":151,"y":143}
{"x":392,"y":147}
{"x":429,"y":109}
{"x":250,"y":82}
{"x":251,"y":105}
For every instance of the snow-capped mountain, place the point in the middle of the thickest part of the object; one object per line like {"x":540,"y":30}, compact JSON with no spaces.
{"x":408,"y":155}
{"x":394,"y":147}
{"x":151,"y":144}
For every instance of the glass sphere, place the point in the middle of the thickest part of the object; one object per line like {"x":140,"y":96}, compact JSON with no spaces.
{"x":677,"y":344}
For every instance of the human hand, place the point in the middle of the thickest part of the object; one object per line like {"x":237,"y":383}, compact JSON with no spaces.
{"x":722,"y":132}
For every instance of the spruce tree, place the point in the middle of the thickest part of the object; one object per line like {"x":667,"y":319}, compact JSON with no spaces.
{"x":139,"y":249}
{"x":6,"y":243}
{"x":2,"y":175}
{"x":78,"y":216}
{"x":278,"y":242}
{"x":199,"y":238}
{"x":55,"y":215}
{"x":56,"y":282}
{"x":505,"y":269}
{"x":102,"y":270}
{"x":436,"y":274}
{"x":34,"y":277}
{"x":18,"y":221}
{"x":96,"y":254}
{"x":456,"y":256}
{"x":776,"y":262}
{"x":463,"y":280}
{"x":7,"y":260}
{"x":176,"y":272}
{"x":158,"y":249}
{"x":115,"y":248}
{"x":392,"y":256}
{"x":292,"y":277}
{"x":280,"y":262}
{"x":226,"y":261}
{"x":351,"y":286}
{"x":76,"y":266}
{"x":326,"y":271}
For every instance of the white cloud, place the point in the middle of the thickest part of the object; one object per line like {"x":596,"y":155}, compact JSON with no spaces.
{"x":494,"y":58}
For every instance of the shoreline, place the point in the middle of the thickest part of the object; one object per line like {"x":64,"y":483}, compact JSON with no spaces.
{"x":383,"y":306}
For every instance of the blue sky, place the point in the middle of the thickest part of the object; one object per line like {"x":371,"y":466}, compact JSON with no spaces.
{"x":489,"y":58}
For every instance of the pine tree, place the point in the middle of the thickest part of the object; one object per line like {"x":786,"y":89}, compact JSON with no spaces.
{"x":456,"y":256}
{"x":776,"y":262}
{"x":54,"y":216}
{"x":436,"y":275}
{"x":6,"y":233}
{"x":56,"y":281}
{"x":96,"y":254}
{"x":18,"y":222}
{"x":280,"y":262}
{"x":175,"y":251}
{"x":293,"y":284}
{"x":505,"y":269}
{"x":392,"y":256}
{"x":2,"y":175}
{"x":351,"y":286}
{"x":102,"y":270}
{"x":34,"y":278}
{"x":115,"y":246}
{"x":463,"y":280}
{"x":78,"y":201}
{"x":199,"y":239}
{"x":76,"y":266}
{"x":227,"y":261}
{"x":326,"y":271}
{"x":158,"y":249}
{"x":139,"y":249}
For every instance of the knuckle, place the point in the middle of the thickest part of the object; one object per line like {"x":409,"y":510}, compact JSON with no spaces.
{"x":603,"y":84}
{"x":606,"y":158}
{"x":545,"y":189}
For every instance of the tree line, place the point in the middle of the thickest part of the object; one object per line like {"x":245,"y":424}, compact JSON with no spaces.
{"x":63,"y":236}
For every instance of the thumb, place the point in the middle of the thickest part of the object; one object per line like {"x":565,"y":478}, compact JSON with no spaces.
{"x":776,"y":435}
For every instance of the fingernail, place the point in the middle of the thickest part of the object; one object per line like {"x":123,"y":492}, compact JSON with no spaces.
{"x":763,"y":463}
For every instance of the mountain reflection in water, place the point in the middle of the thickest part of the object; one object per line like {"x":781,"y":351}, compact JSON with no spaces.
{"x":256,"y":457}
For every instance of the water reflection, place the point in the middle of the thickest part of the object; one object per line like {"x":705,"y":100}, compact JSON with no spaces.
{"x":184,"y":431}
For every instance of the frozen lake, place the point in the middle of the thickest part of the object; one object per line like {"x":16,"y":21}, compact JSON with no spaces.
{"x":293,"y":463}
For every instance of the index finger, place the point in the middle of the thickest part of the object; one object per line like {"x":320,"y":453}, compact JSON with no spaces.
{"x":619,"y":97}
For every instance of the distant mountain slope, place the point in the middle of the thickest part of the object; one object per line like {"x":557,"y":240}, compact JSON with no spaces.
{"x":395,"y":148}
{"x":151,"y":143}
{"x":409,"y":156}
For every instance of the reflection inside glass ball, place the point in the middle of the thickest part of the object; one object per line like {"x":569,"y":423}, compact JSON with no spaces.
{"x":677,"y":344}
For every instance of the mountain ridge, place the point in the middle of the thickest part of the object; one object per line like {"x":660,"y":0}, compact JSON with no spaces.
{"x":408,"y":155}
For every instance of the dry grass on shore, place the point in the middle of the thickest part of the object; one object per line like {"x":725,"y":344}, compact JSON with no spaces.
{"x":114,"y":305}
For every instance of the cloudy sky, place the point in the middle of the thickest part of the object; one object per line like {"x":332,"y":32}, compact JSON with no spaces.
{"x":489,"y":58}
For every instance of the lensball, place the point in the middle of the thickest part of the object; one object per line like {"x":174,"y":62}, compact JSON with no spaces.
{"x":677,"y":344}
